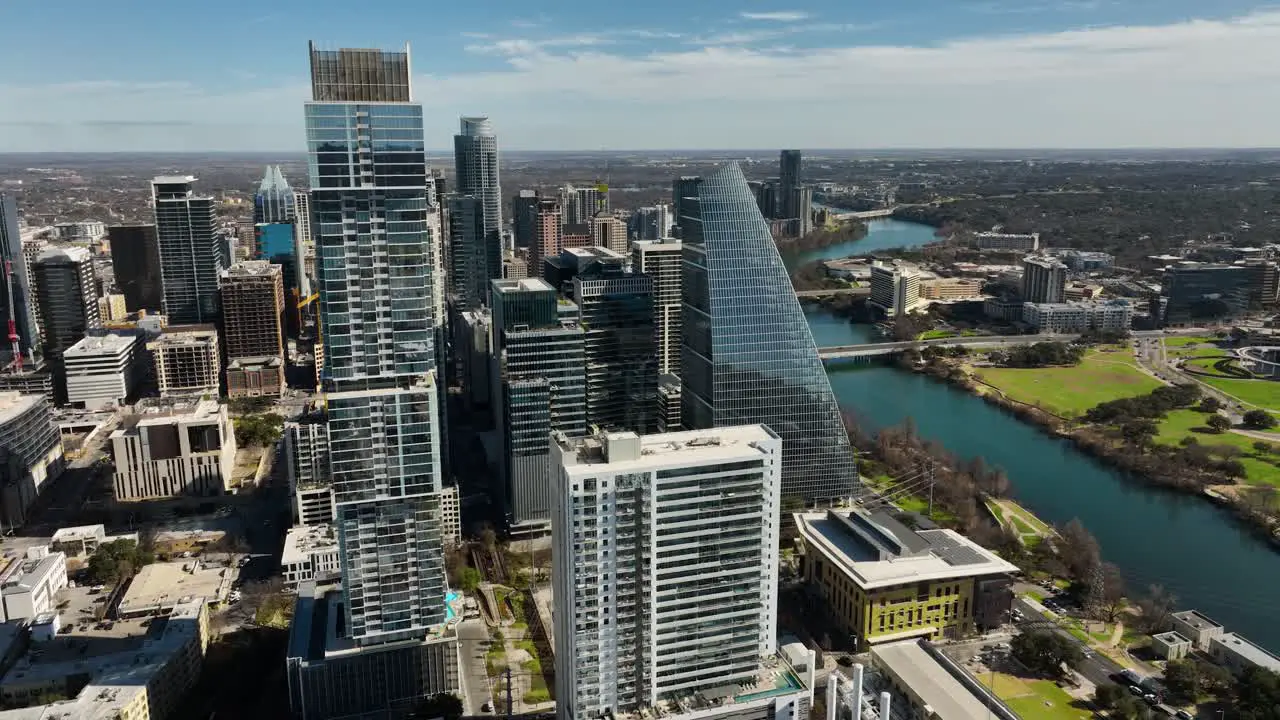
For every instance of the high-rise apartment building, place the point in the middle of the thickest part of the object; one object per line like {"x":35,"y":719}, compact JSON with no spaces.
{"x":377,"y":258}
{"x":1044,"y":279}
{"x":473,"y":259}
{"x":765,"y":369}
{"x":135,"y":260}
{"x":895,"y":288}
{"x":608,"y":231}
{"x":192,"y":255}
{"x":615,"y":309}
{"x":274,"y":202}
{"x":668,"y":546}
{"x":524,"y":217}
{"x":548,"y":235}
{"x":650,"y":223}
{"x":306,"y":455}
{"x":538,"y":376}
{"x":253,"y":304}
{"x":15,"y":283}
{"x":65,"y":280}
{"x":789,"y":169}
{"x":475,"y":158}
{"x":663,"y":262}
{"x":32,"y":454}
{"x":683,"y":189}
{"x":581,"y":204}
{"x":187,"y":360}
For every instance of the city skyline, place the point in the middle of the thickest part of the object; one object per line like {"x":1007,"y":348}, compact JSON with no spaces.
{"x":988,"y":73}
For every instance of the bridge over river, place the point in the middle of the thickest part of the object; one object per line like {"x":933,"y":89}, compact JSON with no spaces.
{"x":983,"y":341}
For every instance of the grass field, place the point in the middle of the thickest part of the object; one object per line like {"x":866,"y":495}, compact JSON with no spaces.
{"x":1034,"y":699}
{"x":1181,"y":342}
{"x":1209,"y":364}
{"x":936,"y":334}
{"x":1260,"y":393}
{"x":1260,"y":467}
{"x":1070,"y":391}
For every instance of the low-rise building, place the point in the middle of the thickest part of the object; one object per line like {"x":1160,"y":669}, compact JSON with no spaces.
{"x":930,"y":688}
{"x":881,"y":581}
{"x":187,"y":360}
{"x":951,"y":288}
{"x":28,"y":585}
{"x":163,"y":586}
{"x":1007,"y":309}
{"x":1196,"y":627}
{"x":79,"y":540}
{"x":255,"y":377}
{"x":32,"y":454}
{"x":1238,"y":654}
{"x":1005,"y":241}
{"x":102,"y":371}
{"x":310,"y":553}
{"x":1084,"y":260}
{"x":1170,"y":645}
{"x":1111,"y":316}
{"x":1078,"y":291}
{"x":167,"y":447}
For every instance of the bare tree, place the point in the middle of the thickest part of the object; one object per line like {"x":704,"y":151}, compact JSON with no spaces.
{"x":1157,"y":607}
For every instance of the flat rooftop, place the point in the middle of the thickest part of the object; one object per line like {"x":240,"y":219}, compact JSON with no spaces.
{"x":523,"y":285}
{"x":13,"y":404}
{"x":112,"y":344}
{"x":876,"y":551}
{"x":1196,"y":619}
{"x":1170,"y":637}
{"x":253,"y":268}
{"x":163,"y":585}
{"x":1249,"y":651}
{"x":690,"y":446}
{"x":929,"y":681}
{"x":773,"y":678}
{"x":302,"y":541}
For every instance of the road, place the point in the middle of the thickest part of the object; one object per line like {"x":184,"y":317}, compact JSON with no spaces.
{"x":1097,"y":667}
{"x":473,"y":637}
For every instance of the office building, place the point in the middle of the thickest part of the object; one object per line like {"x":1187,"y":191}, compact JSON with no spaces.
{"x":310,"y":554}
{"x":1112,"y":316}
{"x":538,"y":375}
{"x":951,"y":289}
{"x":471,"y":348}
{"x":514,"y":267}
{"x":372,"y":216}
{"x":1264,"y":283}
{"x":650,"y":223}
{"x":1044,"y":279}
{"x":32,"y":454}
{"x":1197,"y":627}
{"x":560,"y":271}
{"x":895,"y":288}
{"x":68,"y":302}
{"x":170,"y":447}
{"x":450,"y":516}
{"x":1236,"y":653}
{"x":273,"y":203}
{"x":474,"y":260}
{"x":475,"y":158}
{"x":580,"y":204}
{"x":15,"y":282}
{"x":615,"y":311}
{"x":135,"y":260}
{"x":28,"y":585}
{"x":668,"y":403}
{"x":104,"y":371}
{"x":1005,"y":241}
{"x":663,"y":262}
{"x":524,"y":217}
{"x":918,"y":681}
{"x":672,"y":566}
{"x":253,"y":328}
{"x":1085,"y":260}
{"x":548,"y":236}
{"x":608,"y":231}
{"x":1203,"y":292}
{"x":683,"y":188}
{"x":881,"y":581}
{"x":738,"y":299}
{"x":278,"y":243}
{"x":187,"y":360}
{"x":192,"y":254}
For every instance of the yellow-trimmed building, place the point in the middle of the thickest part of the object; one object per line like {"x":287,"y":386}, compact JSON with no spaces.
{"x":882,"y":581}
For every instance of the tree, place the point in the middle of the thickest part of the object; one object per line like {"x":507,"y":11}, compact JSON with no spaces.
{"x":1045,"y":652}
{"x":432,"y":707}
{"x":259,"y":430}
{"x":1218,"y":424}
{"x":1110,"y":595}
{"x":1210,"y":405}
{"x":115,"y":561}
{"x":1214,"y":679}
{"x":1130,"y":708}
{"x":1157,"y":607}
{"x":488,"y":539}
{"x":1139,"y":432}
{"x":468,"y":579}
{"x":1257,"y":695}
{"x":1259,"y":420}
{"x":1078,"y":550}
{"x":1108,"y":695}
{"x":1182,"y":681}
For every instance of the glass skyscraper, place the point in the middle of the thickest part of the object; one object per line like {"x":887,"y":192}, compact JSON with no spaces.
{"x":15,"y":284}
{"x":376,"y":250}
{"x":747,"y":355}
{"x":192,"y":255}
{"x":273,"y":203}
{"x":475,"y":158}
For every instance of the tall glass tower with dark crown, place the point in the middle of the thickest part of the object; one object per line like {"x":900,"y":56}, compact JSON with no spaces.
{"x":747,"y":355}
{"x":376,"y":253}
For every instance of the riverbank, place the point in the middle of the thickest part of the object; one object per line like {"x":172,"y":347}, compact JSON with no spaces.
{"x":1186,"y":467}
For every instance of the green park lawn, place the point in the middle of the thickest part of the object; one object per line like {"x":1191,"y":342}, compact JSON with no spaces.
{"x":1260,"y":393}
{"x":1034,"y":699}
{"x":1261,"y":468}
{"x":1070,"y":391}
{"x":1182,"y":342}
{"x":936,"y":334}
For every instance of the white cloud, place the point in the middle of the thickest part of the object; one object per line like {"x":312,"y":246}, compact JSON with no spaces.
{"x":776,"y":16}
{"x":1194,"y":83}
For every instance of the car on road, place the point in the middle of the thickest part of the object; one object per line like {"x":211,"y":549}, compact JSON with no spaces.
{"x":486,"y":708}
{"x":1184,"y":715}
{"x":1136,"y":691}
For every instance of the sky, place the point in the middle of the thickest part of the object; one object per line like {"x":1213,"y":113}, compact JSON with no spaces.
{"x":142,"y":75}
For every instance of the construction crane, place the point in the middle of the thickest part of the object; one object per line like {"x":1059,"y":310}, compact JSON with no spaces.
{"x":14,"y":341}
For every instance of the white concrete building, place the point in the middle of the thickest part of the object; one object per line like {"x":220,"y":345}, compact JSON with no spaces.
{"x":306,"y":454}
{"x":167,"y":447}
{"x":102,"y":371}
{"x":895,"y":289}
{"x":665,"y":567}
{"x":450,"y":516}
{"x":1238,"y":654}
{"x":1109,"y":316}
{"x":187,"y":360}
{"x":310,"y":553}
{"x":28,"y":585}
{"x":30,"y":438}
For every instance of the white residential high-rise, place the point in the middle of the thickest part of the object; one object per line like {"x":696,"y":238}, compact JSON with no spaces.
{"x":895,"y":289}
{"x":662,"y":261}
{"x":665,"y":573}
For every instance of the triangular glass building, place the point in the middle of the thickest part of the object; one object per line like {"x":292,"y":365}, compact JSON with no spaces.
{"x":748,"y":355}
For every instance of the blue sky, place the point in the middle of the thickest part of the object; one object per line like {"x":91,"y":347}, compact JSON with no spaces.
{"x":86,"y":75}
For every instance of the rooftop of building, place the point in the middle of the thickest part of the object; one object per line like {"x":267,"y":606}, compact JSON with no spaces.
{"x":186,"y":335}
{"x":774,"y":678}
{"x":1045,"y":261}
{"x":876,"y":550}
{"x":13,"y":404}
{"x":253,"y":269}
{"x":593,"y":253}
{"x":1197,"y":620}
{"x":930,"y":681}
{"x":163,"y":585}
{"x":1171,"y":637}
{"x":109,"y":344}
{"x":1251,"y":653}
{"x":318,"y":630}
{"x":162,"y":411}
{"x":263,"y":361}
{"x":302,"y":541}
{"x":25,"y":574}
{"x":522,"y":285}
{"x":660,"y":245}
{"x":64,"y":253}
{"x":172,"y":179}
{"x":627,"y":449}
{"x":79,"y":533}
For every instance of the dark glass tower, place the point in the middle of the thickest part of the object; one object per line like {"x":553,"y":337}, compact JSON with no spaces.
{"x":192,"y":256}
{"x":15,"y":284}
{"x":135,"y":259}
{"x":473,"y":260}
{"x":747,"y":354}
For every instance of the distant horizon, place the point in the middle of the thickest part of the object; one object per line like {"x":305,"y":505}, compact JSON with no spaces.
{"x":701,"y":151}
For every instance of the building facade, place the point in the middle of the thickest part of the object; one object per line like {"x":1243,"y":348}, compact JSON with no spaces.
{"x":135,"y":260}
{"x":187,"y":360}
{"x":747,"y":354}
{"x":253,"y":304}
{"x":192,"y":255}
{"x":1006,"y":241}
{"x":15,"y":282}
{"x":475,"y":158}
{"x":548,"y":236}
{"x":306,"y":455}
{"x":524,"y":216}
{"x":273,"y":203}
{"x":608,"y":231}
{"x":663,"y":262}
{"x":1112,"y":316}
{"x":32,"y":453}
{"x":895,"y":289}
{"x":1203,"y":292}
{"x":169,"y":447}
{"x":103,"y":371}
{"x":653,"y":222}
{"x":581,"y":204}
{"x":615,"y":312}
{"x":683,"y":188}
{"x":68,"y":302}
{"x":473,"y":259}
{"x":1044,"y":279}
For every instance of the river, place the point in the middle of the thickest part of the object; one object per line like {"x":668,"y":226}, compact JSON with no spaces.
{"x":1189,"y":546}
{"x":882,"y":234}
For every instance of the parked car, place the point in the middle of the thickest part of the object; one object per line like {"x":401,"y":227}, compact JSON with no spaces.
{"x":1135,"y":690}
